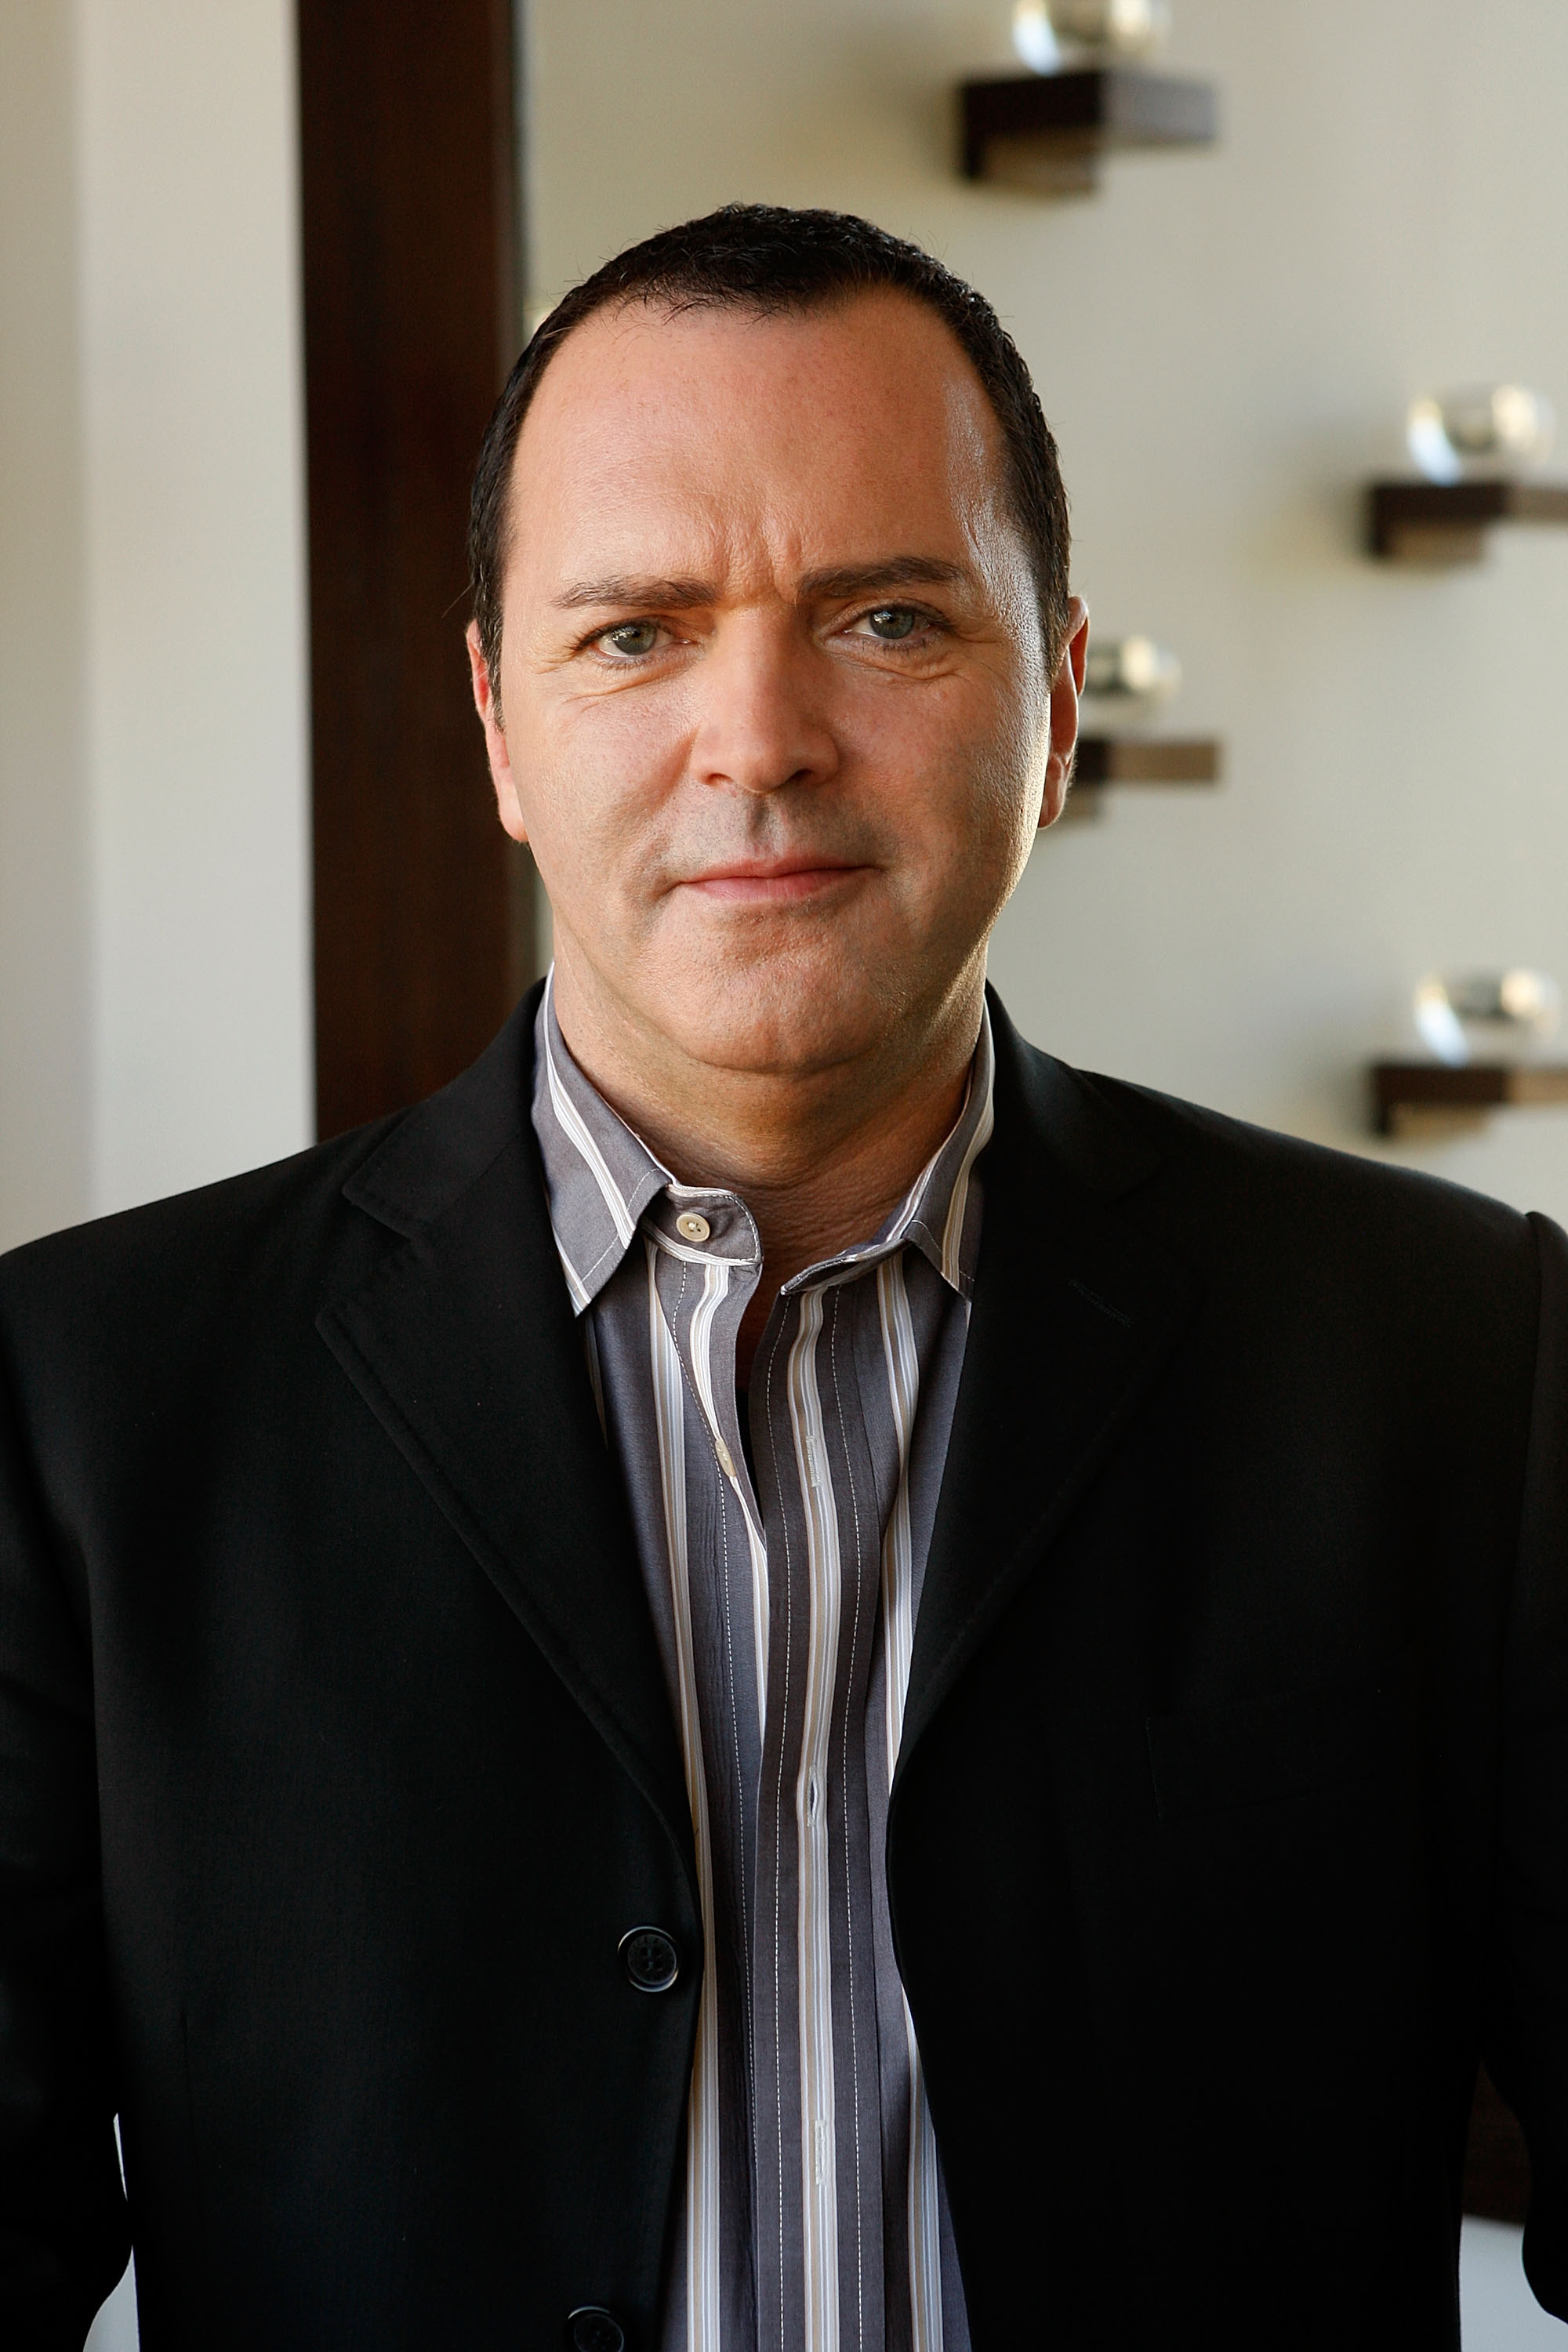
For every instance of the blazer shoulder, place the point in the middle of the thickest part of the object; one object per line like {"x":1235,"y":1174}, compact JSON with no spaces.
{"x":402,"y":1168}
{"x":257,"y":1254}
{"x":1252,"y":1176}
{"x":1221,"y":1180}
{"x":208,"y":1235}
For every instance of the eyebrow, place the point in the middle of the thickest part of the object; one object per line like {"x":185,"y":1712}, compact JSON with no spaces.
{"x":840,"y":580}
{"x":663,"y":595}
{"x":896,"y":571}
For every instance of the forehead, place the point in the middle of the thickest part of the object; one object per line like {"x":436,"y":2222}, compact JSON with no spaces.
{"x":829,"y":434}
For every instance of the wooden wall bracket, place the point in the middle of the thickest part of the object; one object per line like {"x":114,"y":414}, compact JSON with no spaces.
{"x":1445,"y":523}
{"x":1045,"y":134}
{"x":1147,"y":760}
{"x":1104,"y":759}
{"x":1431,"y":1097}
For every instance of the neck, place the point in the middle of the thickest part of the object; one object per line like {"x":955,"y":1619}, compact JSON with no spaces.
{"x":821,"y":1157}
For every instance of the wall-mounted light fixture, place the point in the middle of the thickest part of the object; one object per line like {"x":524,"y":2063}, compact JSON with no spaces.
{"x":1133,"y":670}
{"x":1474,"y":450}
{"x":1084,"y":96}
{"x":1510,"y":1016}
{"x":1127,"y":681}
{"x":1509,"y":1012}
{"x":1120,"y":28}
{"x":1481,"y":435}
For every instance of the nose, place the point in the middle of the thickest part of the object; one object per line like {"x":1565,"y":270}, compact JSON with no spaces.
{"x":761,"y":720}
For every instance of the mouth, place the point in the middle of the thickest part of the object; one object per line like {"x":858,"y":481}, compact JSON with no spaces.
{"x":769,"y":881}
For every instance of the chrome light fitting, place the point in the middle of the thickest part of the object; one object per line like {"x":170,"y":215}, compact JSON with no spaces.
{"x":1516,"y":1009}
{"x":1130,"y":669}
{"x":1122,"y":29}
{"x":1470,"y":436}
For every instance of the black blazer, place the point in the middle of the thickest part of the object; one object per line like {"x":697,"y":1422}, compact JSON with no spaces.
{"x":335,"y":1758}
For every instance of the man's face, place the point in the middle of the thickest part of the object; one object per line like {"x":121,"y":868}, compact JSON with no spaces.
{"x":776,"y":718}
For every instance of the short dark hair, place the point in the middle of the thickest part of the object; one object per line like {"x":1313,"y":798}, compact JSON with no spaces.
{"x":767,"y":259}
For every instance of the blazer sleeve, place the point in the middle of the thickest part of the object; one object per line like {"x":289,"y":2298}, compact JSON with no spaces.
{"x":1525,"y":2040}
{"x":64,"y":2240}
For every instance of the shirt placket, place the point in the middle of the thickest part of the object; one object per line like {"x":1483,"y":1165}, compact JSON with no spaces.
{"x":791,"y":1837}
{"x":694,"y":1300}
{"x":818,"y":2133}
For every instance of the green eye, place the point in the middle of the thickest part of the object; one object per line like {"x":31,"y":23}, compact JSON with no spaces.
{"x":893,"y":621}
{"x":632,"y":638}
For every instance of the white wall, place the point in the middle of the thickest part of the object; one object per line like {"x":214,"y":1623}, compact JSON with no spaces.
{"x":193,"y":406}
{"x":1496,"y":2310}
{"x":1226,"y":343}
{"x":45,"y":1008}
{"x":154,"y":981}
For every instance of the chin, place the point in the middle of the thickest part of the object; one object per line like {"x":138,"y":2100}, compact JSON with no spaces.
{"x":766,"y":1023}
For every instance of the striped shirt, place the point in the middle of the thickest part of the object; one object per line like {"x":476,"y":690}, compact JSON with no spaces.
{"x":783,"y":1565}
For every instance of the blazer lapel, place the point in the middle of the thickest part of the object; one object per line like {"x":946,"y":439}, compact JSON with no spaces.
{"x":463,"y":1345}
{"x":1074,"y":1313}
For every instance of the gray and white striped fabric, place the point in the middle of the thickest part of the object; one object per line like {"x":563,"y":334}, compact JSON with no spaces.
{"x":785,"y":1597}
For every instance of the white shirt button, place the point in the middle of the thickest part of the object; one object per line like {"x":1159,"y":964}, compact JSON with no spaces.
{"x":726,"y":1459}
{"x":691,"y":1227}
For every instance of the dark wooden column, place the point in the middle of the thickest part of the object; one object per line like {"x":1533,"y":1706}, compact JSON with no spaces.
{"x":407,"y":178}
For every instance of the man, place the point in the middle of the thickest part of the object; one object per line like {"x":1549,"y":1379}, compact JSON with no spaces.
{"x":779,"y":1675}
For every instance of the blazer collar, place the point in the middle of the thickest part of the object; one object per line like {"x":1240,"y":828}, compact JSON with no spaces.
{"x":1075,"y":1311}
{"x":463,"y":1345}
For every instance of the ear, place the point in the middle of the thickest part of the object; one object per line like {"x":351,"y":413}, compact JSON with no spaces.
{"x":1066,"y":687}
{"x":509,"y":808}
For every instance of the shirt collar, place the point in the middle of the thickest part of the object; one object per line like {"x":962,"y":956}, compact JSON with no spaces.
{"x":603,"y":1184}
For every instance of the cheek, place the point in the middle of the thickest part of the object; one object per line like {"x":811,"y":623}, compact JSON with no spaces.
{"x":955,"y":764}
{"x":596,"y":774}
